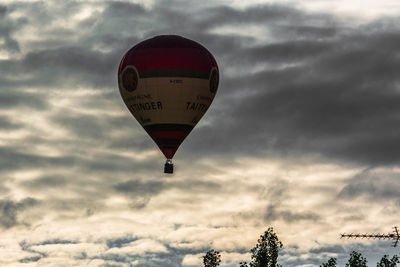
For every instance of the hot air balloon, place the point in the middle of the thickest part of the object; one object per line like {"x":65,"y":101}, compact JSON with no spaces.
{"x":168,"y":82}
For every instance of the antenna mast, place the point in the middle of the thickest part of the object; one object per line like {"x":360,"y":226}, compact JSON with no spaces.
{"x":395,"y":236}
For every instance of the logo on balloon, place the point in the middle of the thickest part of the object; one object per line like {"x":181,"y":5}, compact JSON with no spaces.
{"x":214,"y":80}
{"x":129,"y":78}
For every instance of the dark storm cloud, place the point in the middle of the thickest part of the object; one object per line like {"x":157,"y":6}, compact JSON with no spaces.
{"x":142,"y":191}
{"x":60,"y":61}
{"x":46,"y":182}
{"x":120,"y":242}
{"x":9,"y":210}
{"x":277,"y":22}
{"x":55,"y":241}
{"x":273,"y":213}
{"x":337,"y":98}
{"x":310,"y":31}
{"x":84,"y":126}
{"x":276,"y":194}
{"x":30,"y":259}
{"x":13,"y":160}
{"x":115,"y":164}
{"x":7,"y":29}
{"x":373,"y":184}
{"x":76,"y":59}
{"x":95,"y":127}
{"x":8,"y":124}
{"x":3,"y":10}
{"x":129,"y":143}
{"x":328,"y":249}
{"x":119,"y":9}
{"x":194,"y":185}
{"x":140,"y":188}
{"x":18,"y":99}
{"x":224,"y":15}
{"x":67,"y":66}
{"x":288,"y":52}
{"x":114,"y":29}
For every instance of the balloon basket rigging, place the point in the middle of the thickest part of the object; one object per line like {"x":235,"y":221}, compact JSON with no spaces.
{"x":168,"y":166}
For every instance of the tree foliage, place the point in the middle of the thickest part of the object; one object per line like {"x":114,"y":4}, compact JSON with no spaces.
{"x":212,"y":258}
{"x":331,"y":263}
{"x":386,"y":262}
{"x":265,"y":253}
{"x":356,"y":260}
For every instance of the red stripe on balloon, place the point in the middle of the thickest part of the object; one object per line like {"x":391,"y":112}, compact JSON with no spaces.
{"x":163,"y":52}
{"x":170,"y":58}
{"x":168,"y":141}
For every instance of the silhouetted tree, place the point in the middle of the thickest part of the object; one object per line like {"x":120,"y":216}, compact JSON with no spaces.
{"x":331,"y":263}
{"x":385,"y":262}
{"x":212,"y":258}
{"x":265,"y":253}
{"x":356,"y":260}
{"x":243,"y":264}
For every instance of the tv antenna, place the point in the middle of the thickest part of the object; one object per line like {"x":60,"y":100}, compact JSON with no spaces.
{"x":395,"y":236}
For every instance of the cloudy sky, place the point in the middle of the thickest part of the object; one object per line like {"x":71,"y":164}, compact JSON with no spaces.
{"x":303,"y":135}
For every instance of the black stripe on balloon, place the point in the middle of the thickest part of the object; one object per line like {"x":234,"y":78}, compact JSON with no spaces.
{"x":155,"y":73}
{"x":168,"y":127}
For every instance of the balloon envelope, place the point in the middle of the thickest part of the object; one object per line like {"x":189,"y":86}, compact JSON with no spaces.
{"x":168,"y":82}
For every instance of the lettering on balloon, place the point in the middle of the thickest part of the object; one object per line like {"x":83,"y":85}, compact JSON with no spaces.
{"x":146,"y":106}
{"x":196,"y":106}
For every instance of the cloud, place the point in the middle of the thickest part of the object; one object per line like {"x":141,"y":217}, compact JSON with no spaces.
{"x":45,"y":182}
{"x":7,"y":30}
{"x":278,"y":194}
{"x":262,"y":14}
{"x":306,"y":100}
{"x":328,"y":249}
{"x":9,"y":210}
{"x":60,"y":68}
{"x":55,"y":241}
{"x":48,"y":249}
{"x":23,"y":100}
{"x":120,"y":242}
{"x":273,"y":213}
{"x":13,"y":160}
{"x":30,"y":259}
{"x":8,"y":124}
{"x":140,"y":188}
{"x":374,"y":184}
{"x":334,"y":97}
{"x":74,"y":64}
{"x":139,"y":191}
{"x":120,"y":9}
{"x":139,"y":247}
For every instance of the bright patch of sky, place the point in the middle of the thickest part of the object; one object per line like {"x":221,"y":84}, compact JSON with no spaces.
{"x":364,"y":9}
